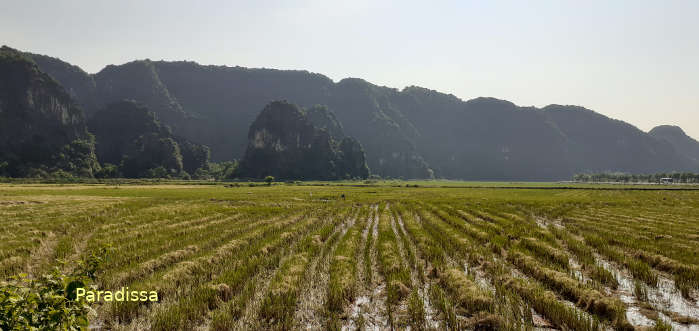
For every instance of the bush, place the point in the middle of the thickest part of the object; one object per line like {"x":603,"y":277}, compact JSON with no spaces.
{"x":108,"y":170}
{"x":223,"y":170}
{"x":201,"y":173}
{"x":48,"y":302}
{"x":61,"y":174}
{"x":37,"y":173}
{"x":159,"y":172}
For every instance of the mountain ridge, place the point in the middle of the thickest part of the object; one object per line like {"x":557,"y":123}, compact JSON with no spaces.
{"x":674,"y":135}
{"x":410,"y":133}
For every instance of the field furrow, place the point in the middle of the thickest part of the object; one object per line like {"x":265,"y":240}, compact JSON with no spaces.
{"x":345,"y":257}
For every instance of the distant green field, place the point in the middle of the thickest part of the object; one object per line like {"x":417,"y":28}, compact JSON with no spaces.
{"x":393,"y":183}
{"x":479,"y":184}
{"x":347,"y":255}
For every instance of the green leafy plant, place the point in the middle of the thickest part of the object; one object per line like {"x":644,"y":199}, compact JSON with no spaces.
{"x":46,"y":303}
{"x":49,"y":302}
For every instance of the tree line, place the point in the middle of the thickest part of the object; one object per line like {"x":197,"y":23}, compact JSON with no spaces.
{"x":675,"y":177}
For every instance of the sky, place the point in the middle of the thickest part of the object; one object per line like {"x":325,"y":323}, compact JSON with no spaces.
{"x":636,"y":61}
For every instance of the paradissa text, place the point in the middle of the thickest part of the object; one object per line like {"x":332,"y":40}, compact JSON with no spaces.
{"x":121,"y":295}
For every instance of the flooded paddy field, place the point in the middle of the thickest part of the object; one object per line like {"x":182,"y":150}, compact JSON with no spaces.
{"x":319,"y":257}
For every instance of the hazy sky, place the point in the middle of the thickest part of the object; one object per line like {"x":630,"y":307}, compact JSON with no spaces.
{"x":637,"y":61}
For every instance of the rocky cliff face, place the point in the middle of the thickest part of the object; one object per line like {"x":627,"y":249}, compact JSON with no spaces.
{"x":283,"y":143}
{"x":352,"y":160}
{"x":79,"y":84}
{"x":41,"y":127}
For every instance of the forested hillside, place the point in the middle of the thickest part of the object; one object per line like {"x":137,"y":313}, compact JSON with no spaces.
{"x":683,"y":144}
{"x":409,"y":133}
{"x":284,"y":143}
{"x":42,"y":130}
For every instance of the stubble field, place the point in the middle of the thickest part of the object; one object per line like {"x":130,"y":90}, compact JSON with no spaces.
{"x":381,"y":257}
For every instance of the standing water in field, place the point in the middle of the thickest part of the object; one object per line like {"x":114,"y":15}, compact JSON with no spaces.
{"x":664,"y":298}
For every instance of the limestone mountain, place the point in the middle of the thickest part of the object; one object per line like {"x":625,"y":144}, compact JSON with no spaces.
{"x":487,"y":138}
{"x":351,"y":155}
{"x":351,"y":162}
{"x":369,"y":113}
{"x":223,"y":101}
{"x":323,"y":118}
{"x":131,"y":137}
{"x":597,"y":143}
{"x":220,"y":103}
{"x":409,"y":133}
{"x":78,"y":83}
{"x":682,"y":143}
{"x":194,"y":156}
{"x":138,"y":80}
{"x":41,"y":128}
{"x":282,"y":142}
{"x":483,"y":138}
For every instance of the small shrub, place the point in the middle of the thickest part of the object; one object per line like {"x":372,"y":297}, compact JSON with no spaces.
{"x":48,"y":302}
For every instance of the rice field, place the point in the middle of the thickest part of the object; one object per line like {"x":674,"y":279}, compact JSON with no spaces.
{"x":332,"y":257}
